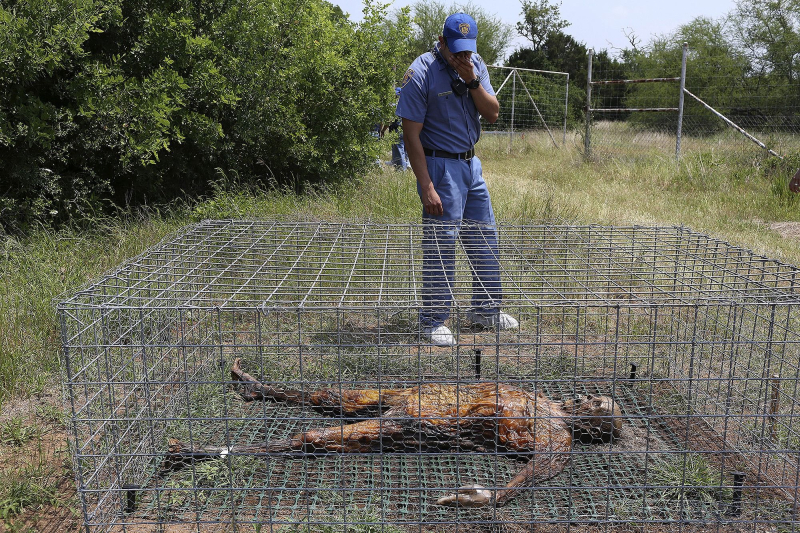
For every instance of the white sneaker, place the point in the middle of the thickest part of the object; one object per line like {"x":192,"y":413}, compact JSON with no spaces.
{"x":500,"y":320}
{"x":440,"y":336}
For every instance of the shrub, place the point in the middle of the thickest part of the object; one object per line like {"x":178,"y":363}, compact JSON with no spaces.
{"x":130,"y":101}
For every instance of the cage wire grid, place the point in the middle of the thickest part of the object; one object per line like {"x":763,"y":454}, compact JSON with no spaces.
{"x":694,"y":339}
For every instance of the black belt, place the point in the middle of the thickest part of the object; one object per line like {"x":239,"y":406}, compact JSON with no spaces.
{"x":449,"y":155}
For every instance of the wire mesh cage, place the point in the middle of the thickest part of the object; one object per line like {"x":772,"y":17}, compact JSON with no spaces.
{"x":273,"y":376}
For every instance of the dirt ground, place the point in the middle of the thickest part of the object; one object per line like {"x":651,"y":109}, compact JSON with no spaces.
{"x":787,"y":230}
{"x":42,"y":460}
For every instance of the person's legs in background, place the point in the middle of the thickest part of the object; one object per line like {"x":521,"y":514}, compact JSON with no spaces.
{"x":399,"y":158}
{"x":401,"y":147}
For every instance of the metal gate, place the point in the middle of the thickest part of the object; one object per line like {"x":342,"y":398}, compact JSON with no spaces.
{"x":532,"y":102}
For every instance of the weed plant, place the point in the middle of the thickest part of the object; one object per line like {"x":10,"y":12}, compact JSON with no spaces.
{"x":26,"y":492}
{"x":686,"y":480}
{"x":15,"y":432}
{"x":29,"y":483}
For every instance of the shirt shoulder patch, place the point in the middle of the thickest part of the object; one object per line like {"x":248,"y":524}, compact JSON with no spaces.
{"x":407,"y":77}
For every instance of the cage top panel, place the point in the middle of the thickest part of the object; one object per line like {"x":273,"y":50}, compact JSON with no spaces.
{"x":317,"y":265}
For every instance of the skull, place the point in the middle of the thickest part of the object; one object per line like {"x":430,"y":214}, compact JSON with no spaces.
{"x":595,"y":418}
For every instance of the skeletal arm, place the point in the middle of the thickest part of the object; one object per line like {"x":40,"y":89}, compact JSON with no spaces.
{"x":360,"y":437}
{"x":542,"y":467}
{"x":330,"y":401}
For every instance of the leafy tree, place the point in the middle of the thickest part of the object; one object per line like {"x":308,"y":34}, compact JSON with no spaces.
{"x":336,"y":14}
{"x":768,"y":34}
{"x":562,"y":53}
{"x":42,"y":48}
{"x":310,"y":88}
{"x":540,"y":19}
{"x":715,"y":71}
{"x":559,"y":52}
{"x":150,"y":99}
{"x":768,"y":31}
{"x":494,"y":36}
{"x":126,"y":101}
{"x":607,"y":67}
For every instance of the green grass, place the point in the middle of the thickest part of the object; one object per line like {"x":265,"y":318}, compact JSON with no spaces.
{"x":687,"y":479}
{"x":30,"y":478}
{"x":731,"y":196}
{"x":31,"y":489}
{"x":15,"y":432}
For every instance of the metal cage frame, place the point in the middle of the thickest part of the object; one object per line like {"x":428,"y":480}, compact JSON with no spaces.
{"x":698,"y":341}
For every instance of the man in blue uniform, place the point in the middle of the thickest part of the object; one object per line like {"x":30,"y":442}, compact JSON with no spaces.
{"x":444,"y":94}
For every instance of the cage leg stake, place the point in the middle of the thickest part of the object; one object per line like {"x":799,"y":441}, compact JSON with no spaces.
{"x":633,"y":372}
{"x":130,"y":497}
{"x":478,"y":364}
{"x":736,"y":500}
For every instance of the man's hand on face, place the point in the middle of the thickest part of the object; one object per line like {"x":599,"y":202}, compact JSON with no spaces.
{"x":462,"y":63}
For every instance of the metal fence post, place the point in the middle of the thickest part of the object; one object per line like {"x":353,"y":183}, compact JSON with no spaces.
{"x":586,"y":142}
{"x":566,"y":111}
{"x":513,"y":102}
{"x":680,"y":102}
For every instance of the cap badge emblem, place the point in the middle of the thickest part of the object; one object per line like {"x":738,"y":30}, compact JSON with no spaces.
{"x":463,"y":28}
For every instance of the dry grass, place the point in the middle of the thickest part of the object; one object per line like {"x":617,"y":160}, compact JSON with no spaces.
{"x":735,"y":196}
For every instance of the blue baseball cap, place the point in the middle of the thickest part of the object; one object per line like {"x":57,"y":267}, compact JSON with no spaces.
{"x":460,"y":31}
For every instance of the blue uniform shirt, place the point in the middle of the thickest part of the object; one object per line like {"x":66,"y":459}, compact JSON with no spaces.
{"x":449,"y":122}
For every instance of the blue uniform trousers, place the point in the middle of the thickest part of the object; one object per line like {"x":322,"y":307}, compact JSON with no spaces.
{"x":468,"y":216}
{"x":399,"y":158}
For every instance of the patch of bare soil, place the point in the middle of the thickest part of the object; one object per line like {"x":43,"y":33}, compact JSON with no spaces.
{"x":787,"y":230}
{"x":34,"y":463}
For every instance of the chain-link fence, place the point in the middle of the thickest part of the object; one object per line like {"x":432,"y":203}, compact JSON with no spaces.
{"x":533,"y":106}
{"x":636,"y":109}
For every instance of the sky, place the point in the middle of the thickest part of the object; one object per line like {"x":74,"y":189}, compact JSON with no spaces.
{"x":597,"y":24}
